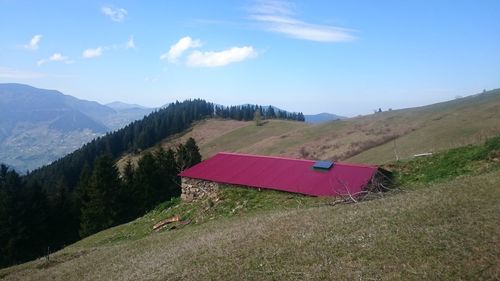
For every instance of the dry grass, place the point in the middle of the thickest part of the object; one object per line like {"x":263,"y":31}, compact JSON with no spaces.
{"x":203,"y":131}
{"x":442,"y":126}
{"x":253,"y":139}
{"x":368,"y":139}
{"x":448,"y":231}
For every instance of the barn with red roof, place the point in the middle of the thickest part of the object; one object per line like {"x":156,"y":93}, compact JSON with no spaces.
{"x":308,"y":177}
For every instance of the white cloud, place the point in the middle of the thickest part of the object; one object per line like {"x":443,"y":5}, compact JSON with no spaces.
{"x":221,"y":58}
{"x":179,"y":48}
{"x":58,"y":57}
{"x":33,"y":44}
{"x":279,"y":16}
{"x":55,"y":57}
{"x":115,"y":14}
{"x":273,"y":7}
{"x":92,"y":53}
{"x":96,"y":52}
{"x":130,"y":43}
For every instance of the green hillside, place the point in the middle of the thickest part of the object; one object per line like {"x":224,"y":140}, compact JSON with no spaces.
{"x":441,"y":126}
{"x":375,"y":138}
{"x":443,"y":225}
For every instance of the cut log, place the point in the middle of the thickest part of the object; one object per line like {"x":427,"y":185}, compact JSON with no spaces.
{"x":164,"y":222}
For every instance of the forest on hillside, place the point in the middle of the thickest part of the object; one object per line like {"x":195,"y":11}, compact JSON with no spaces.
{"x":83,"y":192}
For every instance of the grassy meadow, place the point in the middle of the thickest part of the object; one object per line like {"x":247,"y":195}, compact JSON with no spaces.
{"x":377,"y":138}
{"x":441,"y":225}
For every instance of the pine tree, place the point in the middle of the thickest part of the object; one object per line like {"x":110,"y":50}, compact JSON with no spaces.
{"x":181,"y":157}
{"x":270,"y":114}
{"x":147,"y":181}
{"x":100,"y":206}
{"x":6,"y":202}
{"x":187,"y":155}
{"x":174,"y":179}
{"x":23,"y":218}
{"x":11,"y":207}
{"x":129,"y":194}
{"x":301,"y":117}
{"x":168,"y":173}
{"x":35,"y":222}
{"x":193,"y":152}
{"x":63,"y":217}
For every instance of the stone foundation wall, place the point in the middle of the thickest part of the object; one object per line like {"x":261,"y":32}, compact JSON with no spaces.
{"x":194,"y":189}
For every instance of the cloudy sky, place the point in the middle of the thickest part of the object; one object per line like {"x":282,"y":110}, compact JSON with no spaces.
{"x":346,"y":57}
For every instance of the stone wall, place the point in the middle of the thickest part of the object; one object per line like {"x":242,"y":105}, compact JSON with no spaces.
{"x":194,"y":189}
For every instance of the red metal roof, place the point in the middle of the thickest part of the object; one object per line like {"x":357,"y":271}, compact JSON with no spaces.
{"x":285,"y":174}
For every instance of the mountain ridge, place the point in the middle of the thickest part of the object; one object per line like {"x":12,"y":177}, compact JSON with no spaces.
{"x":118,"y":105}
{"x":37,"y":126}
{"x":322,"y":117}
{"x":364,"y":139}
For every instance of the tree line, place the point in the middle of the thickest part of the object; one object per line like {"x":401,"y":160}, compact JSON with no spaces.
{"x":141,"y":134}
{"x":137,"y":136}
{"x":34,"y":222}
{"x":247,"y":113}
{"x":107,"y":198}
{"x":83,"y":193}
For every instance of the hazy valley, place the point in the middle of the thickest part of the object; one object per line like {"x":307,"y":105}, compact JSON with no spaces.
{"x":38,"y":126}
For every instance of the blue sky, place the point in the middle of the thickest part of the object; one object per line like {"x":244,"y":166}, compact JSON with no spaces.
{"x":345,"y":57}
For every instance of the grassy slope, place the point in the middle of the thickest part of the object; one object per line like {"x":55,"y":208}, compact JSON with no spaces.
{"x":425,"y":129}
{"x":445,"y":125}
{"x":363,"y":139}
{"x":443,"y":227}
{"x":203,"y":132}
{"x":448,"y":232}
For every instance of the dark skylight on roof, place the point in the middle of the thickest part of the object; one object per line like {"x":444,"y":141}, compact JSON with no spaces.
{"x":325,"y":165}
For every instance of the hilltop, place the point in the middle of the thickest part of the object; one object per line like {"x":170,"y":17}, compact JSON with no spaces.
{"x":377,"y":138}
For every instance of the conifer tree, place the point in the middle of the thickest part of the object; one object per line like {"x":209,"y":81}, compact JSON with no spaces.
{"x":63,"y":217}
{"x":130,"y":194}
{"x":193,"y":152}
{"x":100,"y":206}
{"x":34,"y":222}
{"x":147,"y":181}
{"x":187,"y":154}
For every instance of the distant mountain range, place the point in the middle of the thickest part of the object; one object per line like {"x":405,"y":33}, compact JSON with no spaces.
{"x":314,"y":118}
{"x":38,"y":126}
{"x":311,"y":118}
{"x":322,"y":117}
{"x":118,"y":105}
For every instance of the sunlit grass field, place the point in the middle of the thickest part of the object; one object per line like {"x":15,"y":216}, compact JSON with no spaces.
{"x":441,"y":225}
